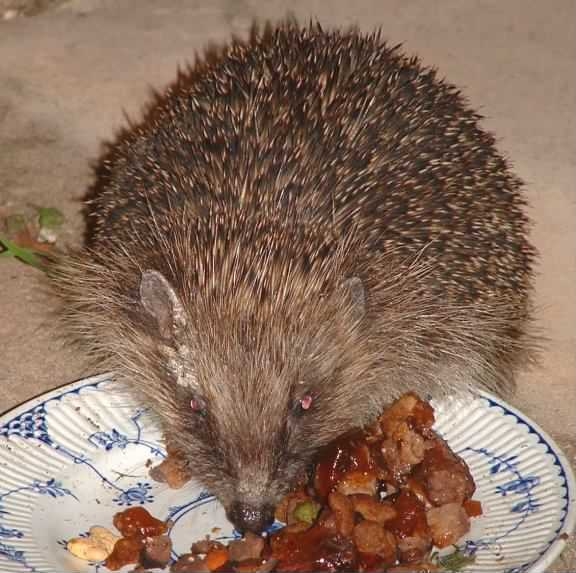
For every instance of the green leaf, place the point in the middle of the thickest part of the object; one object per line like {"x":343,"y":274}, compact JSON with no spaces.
{"x":307,"y":511}
{"x":50,"y":218}
{"x":456,"y":561}
{"x":23,"y":254}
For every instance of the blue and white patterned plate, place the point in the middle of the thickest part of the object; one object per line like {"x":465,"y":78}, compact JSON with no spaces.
{"x":73,"y":457}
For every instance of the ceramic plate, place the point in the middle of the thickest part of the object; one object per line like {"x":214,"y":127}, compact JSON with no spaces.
{"x":75,"y":456}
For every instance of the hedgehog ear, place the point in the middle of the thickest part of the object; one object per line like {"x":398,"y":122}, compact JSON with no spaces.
{"x":161,"y":302}
{"x":355,"y":293}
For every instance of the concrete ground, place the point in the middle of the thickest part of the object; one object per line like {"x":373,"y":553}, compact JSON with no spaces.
{"x":69,"y":70}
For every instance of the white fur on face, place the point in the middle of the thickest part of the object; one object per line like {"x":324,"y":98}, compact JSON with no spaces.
{"x":178,"y":362}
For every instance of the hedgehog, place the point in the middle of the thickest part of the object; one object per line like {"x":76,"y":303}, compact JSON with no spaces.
{"x":303,"y":226}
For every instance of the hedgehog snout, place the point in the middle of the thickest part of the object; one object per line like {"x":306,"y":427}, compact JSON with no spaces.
{"x":254,"y":518}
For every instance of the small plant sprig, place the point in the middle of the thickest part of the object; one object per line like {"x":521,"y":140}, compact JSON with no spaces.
{"x":24,"y":254}
{"x":28,"y":239}
{"x":453,"y":562}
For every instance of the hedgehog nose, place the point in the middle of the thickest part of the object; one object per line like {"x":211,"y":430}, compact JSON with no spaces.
{"x":251,"y":518}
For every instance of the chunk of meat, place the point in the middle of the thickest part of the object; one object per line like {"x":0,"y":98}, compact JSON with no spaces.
{"x":267,"y":567}
{"x":410,"y":410}
{"x":402,"y":453}
{"x":317,"y":549}
{"x":216,"y":558}
{"x":371,"y":537}
{"x":411,"y":515}
{"x":416,"y":487}
{"x":343,"y":456}
{"x":371,"y":563}
{"x":251,"y":547}
{"x":414,"y":548}
{"x":137,"y":525}
{"x":253,"y":566}
{"x":410,"y":527}
{"x":297,"y":527}
{"x":205,"y":545}
{"x":343,"y":511}
{"x":447,"y":524}
{"x":445,"y":476}
{"x":327,"y":520}
{"x":156,"y":552}
{"x":402,"y":446}
{"x":174,"y":471}
{"x":358,"y":482}
{"x":411,"y":450}
{"x":450,"y":485}
{"x":138,"y":522}
{"x":373,"y":510}
{"x":189,"y":563}
{"x":126,"y":552}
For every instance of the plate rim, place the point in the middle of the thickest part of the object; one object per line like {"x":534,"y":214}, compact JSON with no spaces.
{"x":539,"y":565}
{"x":568,"y":525}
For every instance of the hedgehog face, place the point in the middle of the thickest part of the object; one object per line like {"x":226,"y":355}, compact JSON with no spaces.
{"x":248,"y":417}
{"x":250,"y":432}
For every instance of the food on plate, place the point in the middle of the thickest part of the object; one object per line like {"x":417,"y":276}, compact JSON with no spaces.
{"x":377,"y":500}
{"x":97,"y":546}
{"x":143,"y":540}
{"x":173,"y":470}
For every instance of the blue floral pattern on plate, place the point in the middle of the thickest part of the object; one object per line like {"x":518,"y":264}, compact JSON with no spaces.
{"x":88,"y":450}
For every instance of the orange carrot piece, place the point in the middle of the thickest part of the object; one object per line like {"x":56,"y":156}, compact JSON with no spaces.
{"x":216,"y":558}
{"x":472,"y":507}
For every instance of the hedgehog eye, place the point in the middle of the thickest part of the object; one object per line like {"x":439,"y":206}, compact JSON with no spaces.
{"x":303,"y":404}
{"x":197,"y":406}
